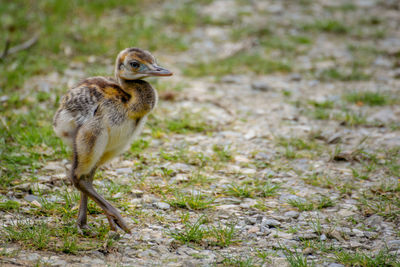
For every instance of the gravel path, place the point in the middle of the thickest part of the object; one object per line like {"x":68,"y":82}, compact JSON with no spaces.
{"x":299,"y":171}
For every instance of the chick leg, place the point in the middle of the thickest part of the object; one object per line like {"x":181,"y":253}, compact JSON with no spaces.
{"x":89,"y":146}
{"x":84,"y":228}
{"x":82,"y":215}
{"x":113,"y":216}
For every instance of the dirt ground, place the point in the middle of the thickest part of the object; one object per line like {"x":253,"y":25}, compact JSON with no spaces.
{"x":276,"y":143}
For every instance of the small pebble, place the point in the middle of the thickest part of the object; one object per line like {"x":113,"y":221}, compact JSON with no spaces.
{"x":31,"y":198}
{"x":291,"y":214}
{"x":336,"y":265}
{"x":261,"y":86}
{"x":162,"y":205}
{"x":251,"y":220}
{"x":270,"y":222}
{"x":358,"y":233}
{"x":393,"y":244}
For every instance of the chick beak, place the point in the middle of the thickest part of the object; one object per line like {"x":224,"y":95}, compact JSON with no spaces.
{"x":159,"y":71}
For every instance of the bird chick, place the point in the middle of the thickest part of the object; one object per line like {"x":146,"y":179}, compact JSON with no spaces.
{"x":100,"y":117}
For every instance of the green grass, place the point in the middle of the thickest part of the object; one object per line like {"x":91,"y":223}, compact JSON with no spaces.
{"x":296,"y":259}
{"x":199,"y":179}
{"x":239,"y":63}
{"x":320,"y":180}
{"x":297,"y":143}
{"x":268,"y":189}
{"x":82,"y":33}
{"x":23,"y":146}
{"x":182,"y":154}
{"x":367,"y":98}
{"x":327,"y":25}
{"x":307,"y":205}
{"x":382,"y":258}
{"x":239,"y":33}
{"x":139,"y":145}
{"x":70,"y":244}
{"x":346,"y":114}
{"x":191,"y":232}
{"x":253,"y":188}
{"x":222,"y":236}
{"x":198,"y":232}
{"x":60,"y":209}
{"x":368,"y":27}
{"x":360,"y":174}
{"x":186,"y":123}
{"x":325,"y":202}
{"x":320,"y":110}
{"x":316,"y":225}
{"x":242,"y":191}
{"x":392,"y":163}
{"x":364,"y":55}
{"x":9,"y":205}
{"x":176,"y":156}
{"x":352,"y":118}
{"x":301,"y":205}
{"x":36,"y":235}
{"x":339,"y":74}
{"x":223,"y":153}
{"x":49,"y":237}
{"x":191,"y":201}
{"x":239,"y":261}
{"x":345,"y":7}
{"x":321,"y":246}
{"x":111,"y":188}
{"x":53,"y":237}
{"x":265,"y":256}
{"x":288,"y":46}
{"x":327,"y":104}
{"x":321,"y":114}
{"x":187,"y":17}
{"x":299,"y":147}
{"x":383,"y":203}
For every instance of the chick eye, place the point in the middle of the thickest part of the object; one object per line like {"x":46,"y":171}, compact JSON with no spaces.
{"x":134,"y":64}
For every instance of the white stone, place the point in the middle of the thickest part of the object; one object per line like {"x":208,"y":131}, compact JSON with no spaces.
{"x":358,"y":233}
{"x":162,"y":205}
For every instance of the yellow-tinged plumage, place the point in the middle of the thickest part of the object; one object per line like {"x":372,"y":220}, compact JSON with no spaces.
{"x":101,"y":116}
